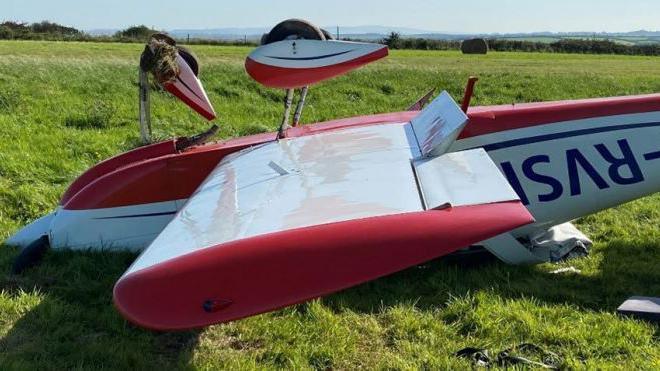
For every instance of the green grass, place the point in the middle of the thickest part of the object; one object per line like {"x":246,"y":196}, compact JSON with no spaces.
{"x":66,"y":106}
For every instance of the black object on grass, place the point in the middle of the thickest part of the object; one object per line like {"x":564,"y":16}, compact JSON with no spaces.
{"x":641,"y":307}
{"x":31,"y":255}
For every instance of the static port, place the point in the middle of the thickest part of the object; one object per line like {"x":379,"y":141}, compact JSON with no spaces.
{"x":212,"y":306}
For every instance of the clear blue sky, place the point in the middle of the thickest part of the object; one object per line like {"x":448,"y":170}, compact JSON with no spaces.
{"x":474,"y":16}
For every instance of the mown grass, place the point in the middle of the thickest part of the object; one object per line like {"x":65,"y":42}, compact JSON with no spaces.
{"x":66,"y":106}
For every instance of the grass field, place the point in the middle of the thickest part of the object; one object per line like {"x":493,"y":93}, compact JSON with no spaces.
{"x":66,"y":106}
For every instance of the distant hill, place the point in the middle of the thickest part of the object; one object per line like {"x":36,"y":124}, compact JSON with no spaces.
{"x":376,"y":32}
{"x":102,"y":31}
{"x":380,"y":30}
{"x":220,"y":33}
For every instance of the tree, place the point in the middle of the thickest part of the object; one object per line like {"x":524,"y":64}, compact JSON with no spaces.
{"x":6,"y":33}
{"x":47,"y":27}
{"x":141,"y":32}
{"x":393,"y":40}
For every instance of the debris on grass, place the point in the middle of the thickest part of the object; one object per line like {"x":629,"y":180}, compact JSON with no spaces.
{"x":566,"y":270}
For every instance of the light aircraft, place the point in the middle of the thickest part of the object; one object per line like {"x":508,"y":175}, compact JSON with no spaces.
{"x":234,"y":228}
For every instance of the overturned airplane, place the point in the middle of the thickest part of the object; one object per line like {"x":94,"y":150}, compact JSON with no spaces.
{"x":234,"y":228}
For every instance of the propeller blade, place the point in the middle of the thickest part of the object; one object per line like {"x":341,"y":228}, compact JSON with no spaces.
{"x":189,"y":89}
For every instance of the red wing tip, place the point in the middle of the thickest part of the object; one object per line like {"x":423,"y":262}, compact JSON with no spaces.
{"x":182,"y":293}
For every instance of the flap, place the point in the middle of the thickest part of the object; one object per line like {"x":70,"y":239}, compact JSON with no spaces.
{"x":461,"y":178}
{"x":438,"y":125}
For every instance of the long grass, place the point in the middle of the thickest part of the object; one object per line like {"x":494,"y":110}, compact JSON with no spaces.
{"x":66,"y":106}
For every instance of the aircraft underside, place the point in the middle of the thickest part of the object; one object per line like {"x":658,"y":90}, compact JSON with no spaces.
{"x":235,"y":228}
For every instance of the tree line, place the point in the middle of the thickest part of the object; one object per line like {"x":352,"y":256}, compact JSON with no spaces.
{"x":582,"y":46}
{"x":46,"y":30}
{"x":38,"y":31}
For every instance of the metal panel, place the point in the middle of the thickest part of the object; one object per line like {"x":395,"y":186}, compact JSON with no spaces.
{"x":438,"y":125}
{"x":462,"y":178}
{"x":116,"y":228}
{"x":31,"y":232}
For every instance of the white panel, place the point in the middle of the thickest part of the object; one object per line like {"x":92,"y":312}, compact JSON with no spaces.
{"x":551,"y":128}
{"x":31,"y":232}
{"x":438,"y":125}
{"x":462,"y":178}
{"x":117,"y":228}
{"x":507,"y":248}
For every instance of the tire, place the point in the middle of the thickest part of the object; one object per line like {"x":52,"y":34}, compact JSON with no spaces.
{"x":327,"y":35}
{"x":163,"y":37}
{"x":293,"y":28}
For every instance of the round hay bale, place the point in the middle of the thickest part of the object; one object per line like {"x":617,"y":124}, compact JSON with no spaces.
{"x":474,"y":46}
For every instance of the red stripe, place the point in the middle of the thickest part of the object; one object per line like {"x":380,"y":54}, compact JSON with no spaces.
{"x":290,"y":78}
{"x":488,"y":120}
{"x":166,"y":178}
{"x":493,"y":119}
{"x":174,"y":89}
{"x":263,"y":273}
{"x":125,"y":159}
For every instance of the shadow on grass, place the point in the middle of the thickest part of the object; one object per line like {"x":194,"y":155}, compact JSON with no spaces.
{"x":614,"y":272}
{"x":60,"y":316}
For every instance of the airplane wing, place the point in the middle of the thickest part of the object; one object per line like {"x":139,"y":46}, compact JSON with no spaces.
{"x":300,"y":218}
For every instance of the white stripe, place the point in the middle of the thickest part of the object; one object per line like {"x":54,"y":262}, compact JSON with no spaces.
{"x":602,"y":121}
{"x":114,"y":228}
{"x":269,"y":54}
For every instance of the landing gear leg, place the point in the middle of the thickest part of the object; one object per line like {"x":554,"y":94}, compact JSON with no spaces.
{"x":281,"y":133}
{"x":301,"y":104}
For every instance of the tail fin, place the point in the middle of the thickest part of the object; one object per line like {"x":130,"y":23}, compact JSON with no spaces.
{"x":291,"y":64}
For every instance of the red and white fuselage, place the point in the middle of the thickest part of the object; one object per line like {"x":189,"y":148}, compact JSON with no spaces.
{"x":564,"y":159}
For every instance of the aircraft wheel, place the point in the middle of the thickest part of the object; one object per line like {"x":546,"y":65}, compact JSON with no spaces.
{"x":328,"y":35}
{"x":293,"y":28}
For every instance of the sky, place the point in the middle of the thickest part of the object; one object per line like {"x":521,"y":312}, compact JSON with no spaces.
{"x":466,"y":16}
